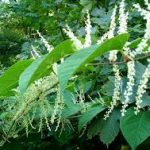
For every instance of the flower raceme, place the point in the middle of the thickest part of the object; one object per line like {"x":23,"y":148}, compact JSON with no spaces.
{"x":146,"y":16}
{"x":45,"y":42}
{"x":113,"y":54}
{"x":142,"y":87}
{"x":130,"y":84}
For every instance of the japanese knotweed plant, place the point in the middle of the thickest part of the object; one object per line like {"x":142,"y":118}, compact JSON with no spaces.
{"x":71,"y":79}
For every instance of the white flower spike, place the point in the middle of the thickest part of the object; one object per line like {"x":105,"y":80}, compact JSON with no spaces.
{"x":142,"y":88}
{"x":45,"y":42}
{"x":129,"y":88}
{"x":146,"y":16}
{"x":123,"y":17}
{"x":116,"y":94}
{"x":73,"y":38}
{"x":88,"y":28}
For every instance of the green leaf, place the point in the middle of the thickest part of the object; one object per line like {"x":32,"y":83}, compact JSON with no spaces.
{"x":64,"y":135}
{"x":87,"y":4}
{"x":80,"y":58}
{"x":89,"y":115}
{"x":139,"y":69}
{"x":110,"y":128}
{"x":145,"y":100}
{"x":71,"y":108}
{"x":95,"y":127}
{"x":107,"y":129}
{"x":135,"y":128}
{"x":69,"y":111}
{"x":42,"y":66}
{"x":135,"y":43}
{"x":9,"y":79}
{"x":26,"y":76}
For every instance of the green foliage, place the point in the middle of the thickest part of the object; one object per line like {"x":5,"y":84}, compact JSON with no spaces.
{"x":59,"y":104}
{"x":135,"y":129}
{"x":88,"y":115}
{"x":9,"y":80}
{"x":79,"y":59}
{"x":106,"y":129}
{"x":110,"y":128}
{"x":43,"y":65}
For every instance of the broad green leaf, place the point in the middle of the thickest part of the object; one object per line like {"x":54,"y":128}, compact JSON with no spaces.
{"x":135,"y":128}
{"x":135,"y":43}
{"x":42,"y":66}
{"x":139,"y":70}
{"x":87,"y":4}
{"x":145,"y":100}
{"x":64,"y":135}
{"x":9,"y":79}
{"x":95,"y":127}
{"x":110,"y":128}
{"x":80,"y":58}
{"x":89,"y":115}
{"x":68,"y":98}
{"x":26,"y":76}
{"x":107,"y":129}
{"x":69,"y":111}
{"x":108,"y":88}
{"x":71,"y":108}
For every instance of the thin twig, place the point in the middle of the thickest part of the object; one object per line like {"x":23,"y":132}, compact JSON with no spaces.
{"x":121,"y":62}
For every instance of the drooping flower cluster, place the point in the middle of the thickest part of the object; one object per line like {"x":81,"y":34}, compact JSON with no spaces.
{"x":35,"y":99}
{"x":58,"y":106}
{"x":116,"y":94}
{"x":146,"y":16}
{"x":27,"y":105}
{"x":130,"y":84}
{"x":142,"y":87}
{"x":113,"y":54}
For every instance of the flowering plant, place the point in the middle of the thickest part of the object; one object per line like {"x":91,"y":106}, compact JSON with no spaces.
{"x":106,"y":83}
